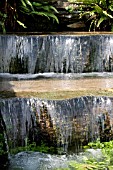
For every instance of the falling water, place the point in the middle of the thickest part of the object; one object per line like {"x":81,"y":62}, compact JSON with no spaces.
{"x":56,"y":53}
{"x":65,"y":124}
{"x":69,"y":123}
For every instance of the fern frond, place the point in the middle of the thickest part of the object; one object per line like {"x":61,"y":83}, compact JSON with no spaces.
{"x":98,"y":9}
{"x":36,"y":4}
{"x":111,"y":7}
{"x":39,"y":13}
{"x":53,"y":8}
{"x":108,"y":15}
{"x":101,"y":20}
{"x":53,"y":16}
{"x":23,"y":3}
{"x":29,"y":3}
{"x":25,"y":10}
{"x":20,"y":23}
{"x":46,"y":14}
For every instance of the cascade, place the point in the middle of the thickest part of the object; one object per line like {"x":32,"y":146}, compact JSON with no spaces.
{"x":68,"y":123}
{"x":64,"y":124}
{"x":56,"y":53}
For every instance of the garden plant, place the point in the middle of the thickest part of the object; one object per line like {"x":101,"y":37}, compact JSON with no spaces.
{"x":12,"y":11}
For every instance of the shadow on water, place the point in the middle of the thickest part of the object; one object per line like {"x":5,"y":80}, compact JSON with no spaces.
{"x":4,"y":160}
{"x":6,"y":89}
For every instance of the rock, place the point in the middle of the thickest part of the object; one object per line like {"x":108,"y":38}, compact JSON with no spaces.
{"x":79,"y":24}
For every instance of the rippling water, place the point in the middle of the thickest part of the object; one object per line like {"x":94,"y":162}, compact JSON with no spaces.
{"x":41,"y":161}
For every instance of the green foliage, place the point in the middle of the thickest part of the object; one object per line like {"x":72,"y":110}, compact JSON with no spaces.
{"x":107,"y":150}
{"x":100,"y":145}
{"x":38,"y":8}
{"x":70,"y":9}
{"x":99,"y":13}
{"x":33,"y":147}
{"x":8,"y":15}
{"x":10,"y":11}
{"x":92,"y":163}
{"x":3,"y":17}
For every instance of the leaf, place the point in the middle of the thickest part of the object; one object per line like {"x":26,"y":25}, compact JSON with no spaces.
{"x":46,"y":8}
{"x":42,"y":9}
{"x":25,"y":9}
{"x":20,"y":23}
{"x":84,"y":13}
{"x":101,"y":20}
{"x":3,"y":27}
{"x":39,"y":13}
{"x":3,"y":15}
{"x":93,"y":22}
{"x":54,"y":9}
{"x":46,"y":14}
{"x":98,"y":9}
{"x":37,"y":4}
{"x":110,"y":16}
{"x":28,"y":3}
{"x":111,"y":7}
{"x":103,"y":3}
{"x":23,"y":3}
{"x":92,"y":13}
{"x":53,"y":16}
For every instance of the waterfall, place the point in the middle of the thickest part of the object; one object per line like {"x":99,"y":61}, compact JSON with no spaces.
{"x":65,"y":123}
{"x":56,"y":53}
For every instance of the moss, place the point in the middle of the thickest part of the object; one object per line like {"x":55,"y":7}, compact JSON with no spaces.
{"x":33,"y":147}
{"x":58,"y":95}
